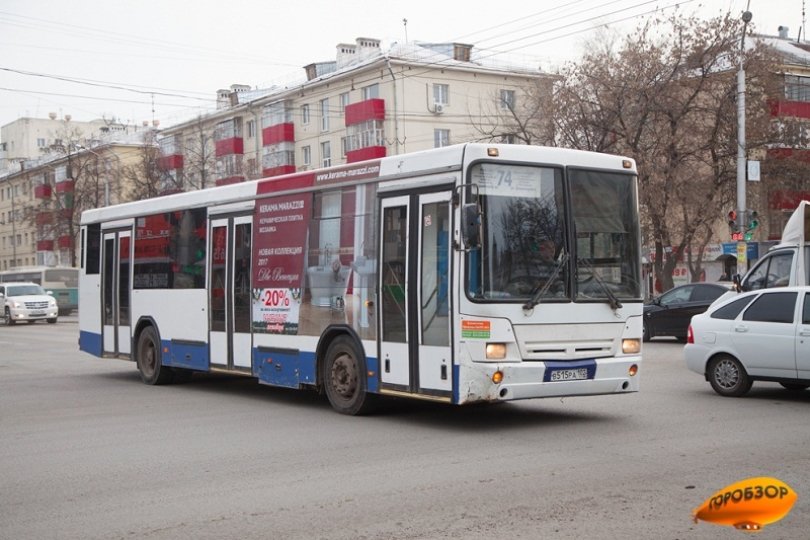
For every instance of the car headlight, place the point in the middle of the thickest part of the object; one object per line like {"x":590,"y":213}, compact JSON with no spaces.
{"x":16,"y":305}
{"x":52,"y":303}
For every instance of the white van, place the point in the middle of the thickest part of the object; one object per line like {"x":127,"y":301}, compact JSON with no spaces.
{"x":25,"y":301}
{"x":788,"y":262}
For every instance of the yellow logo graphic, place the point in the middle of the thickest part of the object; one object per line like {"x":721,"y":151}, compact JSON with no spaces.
{"x":748,"y":504}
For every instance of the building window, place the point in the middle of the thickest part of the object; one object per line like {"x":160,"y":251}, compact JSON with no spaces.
{"x":370,"y":92}
{"x":508,"y":99}
{"x":344,"y":101}
{"x":326,"y":154}
{"x":344,"y":146}
{"x":441,"y":137}
{"x":441,"y":94}
{"x":306,"y":156}
{"x":509,"y":138}
{"x":251,"y":129}
{"x":797,"y":88}
{"x":305,"y":114}
{"x":41,"y":143}
{"x":325,"y":114}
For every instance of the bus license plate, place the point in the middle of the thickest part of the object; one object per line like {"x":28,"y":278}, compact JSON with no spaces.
{"x":578,"y":374}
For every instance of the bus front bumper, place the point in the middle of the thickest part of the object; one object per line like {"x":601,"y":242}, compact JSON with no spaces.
{"x":527,"y":380}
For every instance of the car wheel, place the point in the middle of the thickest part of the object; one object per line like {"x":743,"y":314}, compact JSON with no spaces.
{"x":150,"y":367}
{"x":795,"y":386}
{"x":728,"y":377}
{"x":344,"y":378}
{"x":52,"y":321}
{"x":7,"y":318}
{"x":646,"y":336}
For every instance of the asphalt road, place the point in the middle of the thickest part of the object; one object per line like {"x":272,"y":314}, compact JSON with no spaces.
{"x":87,"y":451}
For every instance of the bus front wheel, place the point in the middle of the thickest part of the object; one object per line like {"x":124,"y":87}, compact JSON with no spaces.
{"x":344,"y":378}
{"x":148,"y":358}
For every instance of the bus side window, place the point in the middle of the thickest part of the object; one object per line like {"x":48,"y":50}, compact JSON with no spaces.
{"x":92,"y":245}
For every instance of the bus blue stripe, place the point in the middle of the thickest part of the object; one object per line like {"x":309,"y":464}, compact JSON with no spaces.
{"x":90,"y":342}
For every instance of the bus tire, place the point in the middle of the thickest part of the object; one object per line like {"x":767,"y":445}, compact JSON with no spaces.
{"x":344,"y":378}
{"x":148,"y":358}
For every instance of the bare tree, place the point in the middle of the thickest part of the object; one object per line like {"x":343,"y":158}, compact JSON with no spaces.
{"x":523,"y":119}
{"x":665,"y":96}
{"x":143,"y":177}
{"x":199,"y":165}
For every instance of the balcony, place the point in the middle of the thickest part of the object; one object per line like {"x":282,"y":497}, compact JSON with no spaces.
{"x":792,"y":109}
{"x":65,"y":242}
{"x":370,"y":109}
{"x":66,"y":186}
{"x":362,"y":154}
{"x":167,"y":163}
{"x":229,"y":180}
{"x":278,"y":134}
{"x":44,"y":245}
{"x":42,"y":191}
{"x":227,"y":147}
{"x":278,"y":171}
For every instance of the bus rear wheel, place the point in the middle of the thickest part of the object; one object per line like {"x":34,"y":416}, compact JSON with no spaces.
{"x":148,"y":358}
{"x":344,"y":378}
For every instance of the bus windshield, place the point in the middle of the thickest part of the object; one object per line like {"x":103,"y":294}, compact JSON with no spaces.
{"x":525,"y":253}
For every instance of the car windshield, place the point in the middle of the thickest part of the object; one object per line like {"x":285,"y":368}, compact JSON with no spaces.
{"x":24,"y":290}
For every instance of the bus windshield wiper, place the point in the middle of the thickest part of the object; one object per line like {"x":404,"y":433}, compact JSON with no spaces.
{"x":612,"y":300}
{"x":542,"y":290}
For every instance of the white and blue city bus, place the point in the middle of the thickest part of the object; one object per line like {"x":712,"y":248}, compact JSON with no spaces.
{"x":470,"y":273}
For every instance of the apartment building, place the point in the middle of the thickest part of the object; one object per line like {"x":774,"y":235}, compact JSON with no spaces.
{"x":368,"y":103}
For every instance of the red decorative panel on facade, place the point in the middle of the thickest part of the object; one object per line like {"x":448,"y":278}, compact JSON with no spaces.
{"x":42,"y":191}
{"x":784,"y":153}
{"x":65,"y":242}
{"x":278,"y":133}
{"x":278,"y":171}
{"x":167,"y":163}
{"x":226,"y":147}
{"x":65,"y":187}
{"x":44,"y":245}
{"x":362,"y":154}
{"x":230,"y":180}
{"x":44,"y":218}
{"x":66,"y":213}
{"x":796,"y":109}
{"x":370,"y":109}
{"x":787,"y":200}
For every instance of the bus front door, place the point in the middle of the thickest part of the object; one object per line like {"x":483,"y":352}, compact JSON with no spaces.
{"x":115,"y":312}
{"x":415,"y":354}
{"x":229,"y":292}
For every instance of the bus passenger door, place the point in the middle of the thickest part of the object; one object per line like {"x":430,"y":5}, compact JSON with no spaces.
{"x":415,"y":294}
{"x":229,"y":292}
{"x":115,"y":312}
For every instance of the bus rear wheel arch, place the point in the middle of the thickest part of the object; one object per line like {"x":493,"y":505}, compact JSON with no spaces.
{"x":344,"y":377}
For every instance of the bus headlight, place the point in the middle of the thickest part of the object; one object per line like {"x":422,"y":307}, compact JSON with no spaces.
{"x":496,"y":351}
{"x":631,"y":346}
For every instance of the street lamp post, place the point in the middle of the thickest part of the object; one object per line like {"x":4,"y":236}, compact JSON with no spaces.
{"x":741,"y":203}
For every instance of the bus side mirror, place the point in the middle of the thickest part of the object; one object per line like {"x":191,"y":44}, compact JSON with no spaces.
{"x":471,"y":225}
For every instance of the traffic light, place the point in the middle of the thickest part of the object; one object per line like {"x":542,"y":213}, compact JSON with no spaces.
{"x":732,"y":219}
{"x":753,"y":220}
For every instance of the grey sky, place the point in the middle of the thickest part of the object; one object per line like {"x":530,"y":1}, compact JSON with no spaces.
{"x":192,"y":48}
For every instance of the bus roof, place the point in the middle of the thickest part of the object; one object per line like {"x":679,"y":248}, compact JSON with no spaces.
{"x":424,"y":162}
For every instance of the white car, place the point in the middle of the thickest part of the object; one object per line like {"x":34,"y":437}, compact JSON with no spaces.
{"x":27,"y":302}
{"x":761,"y":335}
